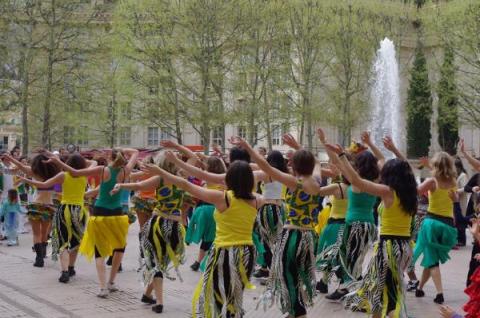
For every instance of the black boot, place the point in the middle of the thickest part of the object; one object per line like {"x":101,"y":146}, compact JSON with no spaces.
{"x":39,"y":257}
{"x":44,"y":249}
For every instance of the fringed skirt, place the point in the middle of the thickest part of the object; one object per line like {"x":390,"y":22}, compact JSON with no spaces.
{"x":472,"y":307}
{"x":68,"y":228}
{"x":220,"y":290}
{"x":202,"y":225}
{"x":329,"y":247}
{"x":267,"y":230}
{"x":104,"y":234}
{"x":435,"y":240}
{"x":360,"y":235}
{"x":162,"y":243}
{"x":40,"y":212}
{"x":143,"y":205}
{"x":292,"y":278}
{"x":381,"y":290}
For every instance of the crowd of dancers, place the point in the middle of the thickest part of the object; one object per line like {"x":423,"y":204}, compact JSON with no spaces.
{"x":298,"y":225}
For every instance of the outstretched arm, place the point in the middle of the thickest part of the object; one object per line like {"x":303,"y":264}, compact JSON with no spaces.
{"x":149,"y":184}
{"x":24,"y":168}
{"x":187,"y":152}
{"x":196,"y":172}
{"x":390,"y":146}
{"x":59,"y":178}
{"x":472,"y":161}
{"x":285,"y":178}
{"x":373,"y":188}
{"x":376,"y":152}
{"x":132,"y":160}
{"x":212,"y":196}
{"x":90,"y":171}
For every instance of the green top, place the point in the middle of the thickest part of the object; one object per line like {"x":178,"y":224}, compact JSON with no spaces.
{"x":360,"y":207}
{"x":105,"y":199}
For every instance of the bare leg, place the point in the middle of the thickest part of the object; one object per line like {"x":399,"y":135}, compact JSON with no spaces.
{"x":425,"y":277}
{"x":100,"y":264}
{"x":437,"y":279}
{"x":158,"y":286}
{"x":201,"y":255}
{"x":64,"y":258}
{"x":46,"y":227}
{"x":72,"y":257}
{"x":142,"y":219}
{"x":148,"y":290}
{"x":116,"y":260}
{"x":37,"y":232}
{"x":412,"y":275}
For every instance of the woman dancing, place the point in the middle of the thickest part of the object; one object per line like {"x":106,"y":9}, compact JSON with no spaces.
{"x":292,"y":278}
{"x":220,"y":290}
{"x":41,"y":209}
{"x":437,"y":234}
{"x":381,"y":291}
{"x":163,"y":235}
{"x":70,"y":219}
{"x":107,"y":228}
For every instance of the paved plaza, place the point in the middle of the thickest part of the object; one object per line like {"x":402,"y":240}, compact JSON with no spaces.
{"x":26,"y":291}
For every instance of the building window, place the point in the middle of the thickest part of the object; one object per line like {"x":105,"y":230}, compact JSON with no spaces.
{"x":276,"y":135}
{"x":125,"y":136}
{"x":126,"y":110}
{"x":242,"y":132}
{"x":83,"y":136}
{"x":166,"y":133}
{"x":153,"y":136}
{"x":68,"y":135}
{"x":217,"y":136}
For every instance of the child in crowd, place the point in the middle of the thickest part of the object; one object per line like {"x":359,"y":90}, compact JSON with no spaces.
{"x":10,"y":212}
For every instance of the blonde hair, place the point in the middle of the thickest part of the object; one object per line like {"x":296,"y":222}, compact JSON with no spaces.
{"x":161,"y":161}
{"x":118,"y":159}
{"x":443,"y":167}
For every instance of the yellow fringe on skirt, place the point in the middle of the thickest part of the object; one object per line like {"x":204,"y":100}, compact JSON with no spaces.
{"x":105,"y":233}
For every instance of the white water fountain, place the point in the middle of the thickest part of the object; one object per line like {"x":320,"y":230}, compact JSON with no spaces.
{"x":385,"y":99}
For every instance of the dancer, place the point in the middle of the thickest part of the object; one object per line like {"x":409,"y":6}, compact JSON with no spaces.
{"x":461,"y":225}
{"x":292,"y":277}
{"x":381,"y":291}
{"x":10,"y":211}
{"x":40,"y":211}
{"x":472,"y":307}
{"x":71,"y":216}
{"x":107,"y":228}
{"x":271,"y":215}
{"x":437,"y":234}
{"x":229,"y":266}
{"x":361,"y":231}
{"x":163,"y":235}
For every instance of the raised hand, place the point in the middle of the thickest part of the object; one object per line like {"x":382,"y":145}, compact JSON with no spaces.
{"x":365,"y":137}
{"x":461,"y":145}
{"x":151,"y":169}
{"x":239,"y":142}
{"x":334,"y":169}
{"x":321,"y":136}
{"x":216,"y":149}
{"x":290,"y":141}
{"x":335,"y":148}
{"x":170,"y":156}
{"x":476,"y":189}
{"x":168,"y":143}
{"x":447,"y":312}
{"x":388,"y":143}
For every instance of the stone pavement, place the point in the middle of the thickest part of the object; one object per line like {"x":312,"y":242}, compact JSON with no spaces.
{"x":26,"y":291}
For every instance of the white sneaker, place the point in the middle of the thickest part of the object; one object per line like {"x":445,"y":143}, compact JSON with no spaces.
{"x":103,"y":293}
{"x":112,"y":287}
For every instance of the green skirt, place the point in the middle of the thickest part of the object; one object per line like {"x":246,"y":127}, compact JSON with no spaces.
{"x":434,"y":242}
{"x":202,"y":225}
{"x":329,"y":235}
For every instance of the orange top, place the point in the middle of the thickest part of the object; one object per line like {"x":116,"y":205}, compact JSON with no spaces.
{"x":148,"y":194}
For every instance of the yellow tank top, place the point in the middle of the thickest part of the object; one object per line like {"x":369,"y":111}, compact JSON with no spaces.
{"x":218,"y":187}
{"x":439,"y":202}
{"x":339,"y":208}
{"x":73,"y":189}
{"x":235,"y":224}
{"x":395,"y":220}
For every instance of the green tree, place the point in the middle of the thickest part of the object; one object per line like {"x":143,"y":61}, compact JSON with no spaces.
{"x":448,"y":104}
{"x":419,"y":107}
